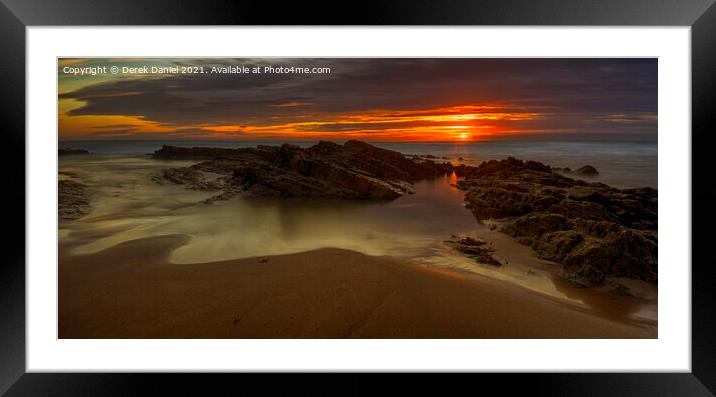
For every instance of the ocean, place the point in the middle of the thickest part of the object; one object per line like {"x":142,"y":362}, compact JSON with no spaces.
{"x":623,"y":164}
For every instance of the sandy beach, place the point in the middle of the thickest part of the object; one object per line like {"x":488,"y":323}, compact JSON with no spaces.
{"x":132,"y":291}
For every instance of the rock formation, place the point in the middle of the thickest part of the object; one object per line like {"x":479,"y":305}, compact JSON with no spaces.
{"x":587,"y":170}
{"x":474,"y":248}
{"x":73,"y":199}
{"x":193,"y":178}
{"x":593,"y":230}
{"x":354,"y":170}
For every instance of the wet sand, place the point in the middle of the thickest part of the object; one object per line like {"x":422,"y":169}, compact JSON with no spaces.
{"x":131,"y":290}
{"x":636,"y":303}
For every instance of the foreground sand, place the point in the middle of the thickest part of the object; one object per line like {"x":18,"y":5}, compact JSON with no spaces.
{"x":131,"y":291}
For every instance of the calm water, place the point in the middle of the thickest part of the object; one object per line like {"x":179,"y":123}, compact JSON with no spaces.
{"x":620,"y":163}
{"x":128,"y":205}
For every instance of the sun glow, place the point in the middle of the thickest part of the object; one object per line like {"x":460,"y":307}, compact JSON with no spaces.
{"x":434,"y":124}
{"x":428,"y":124}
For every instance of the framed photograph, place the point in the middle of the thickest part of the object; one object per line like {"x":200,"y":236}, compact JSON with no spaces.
{"x":471,"y":187}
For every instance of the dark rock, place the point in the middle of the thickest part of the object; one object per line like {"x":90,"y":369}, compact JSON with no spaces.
{"x":587,"y":170}
{"x":474,"y":248}
{"x":537,"y":224}
{"x":73,"y":199}
{"x":71,"y":152}
{"x":593,"y":230}
{"x":469,"y":241}
{"x":195,"y":153}
{"x":354,"y":170}
{"x":192,"y":177}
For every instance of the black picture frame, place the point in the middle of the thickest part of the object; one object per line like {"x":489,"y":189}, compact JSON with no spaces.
{"x":16,"y":15}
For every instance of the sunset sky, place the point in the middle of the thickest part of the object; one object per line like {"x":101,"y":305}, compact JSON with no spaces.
{"x":368,"y":99}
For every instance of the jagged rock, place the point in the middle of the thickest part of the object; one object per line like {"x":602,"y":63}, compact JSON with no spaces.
{"x":593,"y":230}
{"x":586,"y":170}
{"x":168,"y":152}
{"x":536,"y":224}
{"x":474,"y":248}
{"x":71,"y":152}
{"x":73,"y":199}
{"x":193,"y":178}
{"x":511,"y":188}
{"x":354,"y":170}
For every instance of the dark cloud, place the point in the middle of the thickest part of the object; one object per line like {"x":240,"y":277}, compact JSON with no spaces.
{"x":115,"y":126}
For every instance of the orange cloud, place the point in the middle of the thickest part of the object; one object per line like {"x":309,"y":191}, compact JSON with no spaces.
{"x":290,"y":104}
{"x":439,"y":124}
